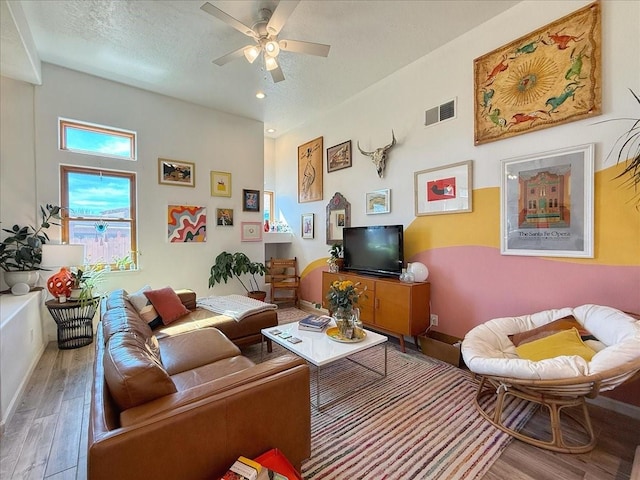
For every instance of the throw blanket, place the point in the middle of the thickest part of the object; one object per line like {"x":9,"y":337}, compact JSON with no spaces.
{"x":234,"y":306}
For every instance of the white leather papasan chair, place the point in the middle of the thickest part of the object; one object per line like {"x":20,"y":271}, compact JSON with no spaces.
{"x":562,"y":380}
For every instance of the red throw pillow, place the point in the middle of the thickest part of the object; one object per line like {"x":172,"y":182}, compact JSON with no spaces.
{"x":564,"y":323}
{"x":167,"y":303}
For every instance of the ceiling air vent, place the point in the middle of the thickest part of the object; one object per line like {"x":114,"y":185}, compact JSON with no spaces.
{"x":443,"y":112}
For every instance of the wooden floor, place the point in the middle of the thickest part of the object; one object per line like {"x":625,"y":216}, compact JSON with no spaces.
{"x":47,"y":436}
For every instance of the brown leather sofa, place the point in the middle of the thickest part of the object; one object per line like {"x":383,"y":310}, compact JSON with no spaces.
{"x":186,"y":405}
{"x":245,"y":332}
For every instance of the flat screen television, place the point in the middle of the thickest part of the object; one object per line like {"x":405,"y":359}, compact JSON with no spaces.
{"x":375,"y":250}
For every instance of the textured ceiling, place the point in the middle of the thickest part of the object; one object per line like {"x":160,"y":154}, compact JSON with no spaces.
{"x":168,"y":47}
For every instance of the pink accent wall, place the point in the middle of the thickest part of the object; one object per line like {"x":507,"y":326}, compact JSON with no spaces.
{"x":470,"y":285}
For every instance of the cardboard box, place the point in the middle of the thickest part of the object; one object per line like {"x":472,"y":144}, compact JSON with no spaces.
{"x":441,"y":346}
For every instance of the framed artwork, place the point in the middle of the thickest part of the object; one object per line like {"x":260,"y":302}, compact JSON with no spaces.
{"x":220,"y":184}
{"x":251,"y":231}
{"x":307,"y":225}
{"x":339,"y":156}
{"x":310,"y":171}
{"x":176,"y":172}
{"x":378,"y":201}
{"x":338,"y":217}
{"x":186,"y":224}
{"x":444,"y":189}
{"x":546,"y":78}
{"x":224,"y":217}
{"x":250,"y":200}
{"x":546,"y":204}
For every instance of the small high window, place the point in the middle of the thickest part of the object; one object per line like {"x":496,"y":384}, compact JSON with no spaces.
{"x":89,"y":138}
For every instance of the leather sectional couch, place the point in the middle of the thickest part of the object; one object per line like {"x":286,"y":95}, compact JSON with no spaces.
{"x":185,"y":404}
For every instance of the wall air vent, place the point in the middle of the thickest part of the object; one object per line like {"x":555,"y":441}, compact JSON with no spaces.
{"x":438,"y":114}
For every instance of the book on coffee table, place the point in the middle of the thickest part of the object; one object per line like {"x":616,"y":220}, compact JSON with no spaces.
{"x":314,"y":323}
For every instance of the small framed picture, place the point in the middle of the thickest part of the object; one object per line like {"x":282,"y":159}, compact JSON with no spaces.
{"x":224,"y":217}
{"x":176,"y":172}
{"x":445,"y":189}
{"x":378,"y":201}
{"x":250,"y":200}
{"x":220,"y":184}
{"x":339,"y":156}
{"x":307,"y":225}
{"x":251,"y":231}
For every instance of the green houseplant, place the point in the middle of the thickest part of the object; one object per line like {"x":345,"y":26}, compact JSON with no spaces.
{"x":627,"y":146}
{"x":229,"y":265}
{"x":336,"y":259}
{"x":21,"y":251}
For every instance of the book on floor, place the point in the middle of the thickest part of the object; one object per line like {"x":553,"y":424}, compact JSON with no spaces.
{"x":247,"y":469}
{"x":243,"y":469}
{"x":314,"y":323}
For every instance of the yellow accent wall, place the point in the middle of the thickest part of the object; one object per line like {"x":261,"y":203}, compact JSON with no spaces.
{"x":616,"y":224}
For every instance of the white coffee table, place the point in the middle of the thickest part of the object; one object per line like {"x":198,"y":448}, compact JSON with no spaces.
{"x":319,"y":350}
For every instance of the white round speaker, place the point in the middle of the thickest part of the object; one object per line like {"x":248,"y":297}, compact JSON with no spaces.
{"x":20,"y":289}
{"x":419,"y":270}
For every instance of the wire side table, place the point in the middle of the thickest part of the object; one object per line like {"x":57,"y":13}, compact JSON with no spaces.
{"x":74,"y":320}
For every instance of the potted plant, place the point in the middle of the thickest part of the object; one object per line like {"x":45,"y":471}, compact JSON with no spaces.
{"x":21,"y":251}
{"x":628,"y":147}
{"x":85,"y":282}
{"x":229,"y":265}
{"x":336,"y":260}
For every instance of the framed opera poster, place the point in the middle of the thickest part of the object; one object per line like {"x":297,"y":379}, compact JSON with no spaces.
{"x":546,"y":204}
{"x":546,"y":78}
{"x":310,"y":171}
{"x":445,"y":189}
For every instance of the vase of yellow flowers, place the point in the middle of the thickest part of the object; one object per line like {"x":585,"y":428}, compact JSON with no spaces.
{"x":343,"y":299}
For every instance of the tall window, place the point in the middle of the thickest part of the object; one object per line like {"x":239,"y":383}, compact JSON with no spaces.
{"x":99,"y":211}
{"x":95,"y":139}
{"x":268,"y":206}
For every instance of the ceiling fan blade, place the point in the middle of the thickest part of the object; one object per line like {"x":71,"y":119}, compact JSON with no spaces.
{"x":230,"y":57}
{"x":277,"y":75}
{"x":309,"y":48}
{"x":228,"y":19}
{"x":282,"y":12}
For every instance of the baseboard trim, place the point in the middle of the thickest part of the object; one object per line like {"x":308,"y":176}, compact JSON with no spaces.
{"x":312,"y":306}
{"x":616,"y":406}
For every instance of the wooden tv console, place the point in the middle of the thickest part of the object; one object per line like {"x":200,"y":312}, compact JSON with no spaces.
{"x":390,"y":305}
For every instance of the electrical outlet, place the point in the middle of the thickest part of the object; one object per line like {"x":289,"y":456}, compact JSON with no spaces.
{"x":434,"y":320}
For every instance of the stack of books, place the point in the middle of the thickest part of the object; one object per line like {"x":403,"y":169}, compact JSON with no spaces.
{"x":247,"y":469}
{"x":314,"y":323}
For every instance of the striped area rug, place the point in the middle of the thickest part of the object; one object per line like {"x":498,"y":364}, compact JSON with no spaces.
{"x":290,"y":314}
{"x":417,"y":423}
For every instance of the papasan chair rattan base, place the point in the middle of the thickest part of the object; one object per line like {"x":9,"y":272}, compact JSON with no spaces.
{"x":561,"y":385}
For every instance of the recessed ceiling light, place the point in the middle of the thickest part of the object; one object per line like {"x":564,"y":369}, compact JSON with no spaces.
{"x":260,"y":95}
{"x":271,"y":130}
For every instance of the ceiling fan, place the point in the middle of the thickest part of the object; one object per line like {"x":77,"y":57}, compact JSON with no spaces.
{"x":265,"y":35}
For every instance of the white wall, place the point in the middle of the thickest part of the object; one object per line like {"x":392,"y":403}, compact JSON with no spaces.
{"x":399,"y":102}
{"x":17,"y":159}
{"x":166,"y":128}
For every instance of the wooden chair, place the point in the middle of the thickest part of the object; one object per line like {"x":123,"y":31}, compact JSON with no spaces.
{"x":285,"y":282}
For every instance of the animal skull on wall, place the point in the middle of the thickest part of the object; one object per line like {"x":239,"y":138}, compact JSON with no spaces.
{"x":379,"y":155}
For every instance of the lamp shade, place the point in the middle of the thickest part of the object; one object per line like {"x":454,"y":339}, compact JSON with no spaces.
{"x":251,"y":53}
{"x":62,"y":255}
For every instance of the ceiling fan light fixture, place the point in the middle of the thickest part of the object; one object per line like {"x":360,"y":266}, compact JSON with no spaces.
{"x":272,"y":48}
{"x":251,"y":53}
{"x":270,"y":63}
